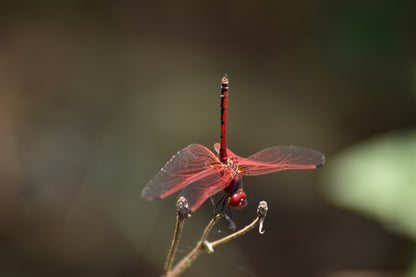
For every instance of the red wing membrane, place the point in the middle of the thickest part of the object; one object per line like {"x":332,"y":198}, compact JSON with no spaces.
{"x":230,"y":154}
{"x":279,"y":158}
{"x":191,"y":164}
{"x":199,"y":191}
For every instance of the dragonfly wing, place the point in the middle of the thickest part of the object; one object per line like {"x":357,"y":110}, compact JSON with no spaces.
{"x":279,"y":158}
{"x":198,"y":192}
{"x":192,"y":163}
{"x":229,"y":152}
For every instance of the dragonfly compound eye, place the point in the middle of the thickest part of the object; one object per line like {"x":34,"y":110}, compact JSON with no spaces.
{"x":238,"y":200}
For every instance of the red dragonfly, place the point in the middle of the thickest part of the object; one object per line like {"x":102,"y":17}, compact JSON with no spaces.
{"x":199,"y":173}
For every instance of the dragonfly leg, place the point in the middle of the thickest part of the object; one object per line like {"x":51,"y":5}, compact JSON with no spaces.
{"x":212,"y":201}
{"x":221,"y":201}
{"x":229,"y":220}
{"x":228,"y":217}
{"x":222,"y":208}
{"x":225,"y":211}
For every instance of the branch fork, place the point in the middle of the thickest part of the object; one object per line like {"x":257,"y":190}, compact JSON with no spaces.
{"x":203,"y":244}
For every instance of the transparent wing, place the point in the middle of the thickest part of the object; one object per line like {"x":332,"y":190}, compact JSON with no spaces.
{"x":198,"y":192}
{"x":191,"y":164}
{"x":230,"y":154}
{"x":279,"y":158}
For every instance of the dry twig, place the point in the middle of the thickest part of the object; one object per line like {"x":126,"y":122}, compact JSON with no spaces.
{"x":203,"y":244}
{"x":182,"y":209}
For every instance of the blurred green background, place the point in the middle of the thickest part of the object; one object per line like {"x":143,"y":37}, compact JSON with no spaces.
{"x":97,"y":95}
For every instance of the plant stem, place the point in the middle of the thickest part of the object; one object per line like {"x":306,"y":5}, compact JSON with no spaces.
{"x":195,"y":252}
{"x":182,"y":213}
{"x":203,"y":244}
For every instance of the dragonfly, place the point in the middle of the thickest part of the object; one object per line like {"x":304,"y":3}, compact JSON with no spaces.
{"x":199,"y":174}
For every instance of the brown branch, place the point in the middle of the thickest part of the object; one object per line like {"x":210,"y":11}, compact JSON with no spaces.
{"x":261,"y":214}
{"x":203,"y":244}
{"x":182,"y":208}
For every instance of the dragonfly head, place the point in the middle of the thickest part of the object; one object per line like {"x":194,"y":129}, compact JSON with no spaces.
{"x":238,"y":200}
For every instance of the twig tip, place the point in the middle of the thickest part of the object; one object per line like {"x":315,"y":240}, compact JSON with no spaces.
{"x":262,"y":209}
{"x":261,"y":213}
{"x":182,"y":207}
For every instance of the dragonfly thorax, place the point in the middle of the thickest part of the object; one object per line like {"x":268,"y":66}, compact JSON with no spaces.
{"x":232,"y":164}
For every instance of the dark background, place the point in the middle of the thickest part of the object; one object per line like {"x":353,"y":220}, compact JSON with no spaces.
{"x":97,"y":95}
